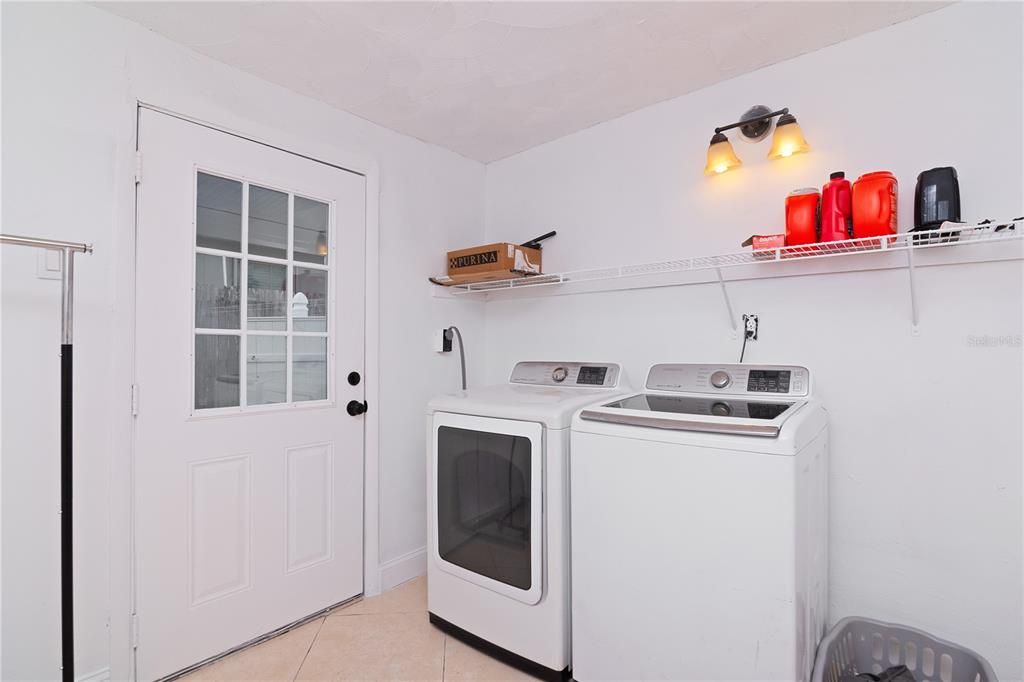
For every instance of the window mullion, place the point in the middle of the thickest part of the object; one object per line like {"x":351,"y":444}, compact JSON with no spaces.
{"x":217,"y":252}
{"x":329,"y":303}
{"x":243,"y":381}
{"x":289,"y":286}
{"x":194,"y":353}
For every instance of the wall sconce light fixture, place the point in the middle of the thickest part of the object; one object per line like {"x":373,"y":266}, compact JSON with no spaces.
{"x":754,"y":125}
{"x":721,"y":156}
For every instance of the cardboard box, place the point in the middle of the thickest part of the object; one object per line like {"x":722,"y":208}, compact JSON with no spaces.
{"x":492,"y":261}
{"x":765,"y":244}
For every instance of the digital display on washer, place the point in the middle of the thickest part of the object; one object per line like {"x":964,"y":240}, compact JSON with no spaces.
{"x":592,"y":376}
{"x":701,"y":406}
{"x":768,"y":381}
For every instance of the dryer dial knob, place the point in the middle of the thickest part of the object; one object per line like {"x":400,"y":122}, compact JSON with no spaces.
{"x":559,"y":374}
{"x":720,"y":379}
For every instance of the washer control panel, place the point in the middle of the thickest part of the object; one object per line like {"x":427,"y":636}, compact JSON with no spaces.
{"x":741,"y":379}
{"x":575,"y":374}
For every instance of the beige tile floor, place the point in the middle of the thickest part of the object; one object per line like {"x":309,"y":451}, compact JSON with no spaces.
{"x":387,"y":637}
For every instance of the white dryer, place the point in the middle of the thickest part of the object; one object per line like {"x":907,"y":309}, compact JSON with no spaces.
{"x":700,"y":527}
{"x":498,"y":510}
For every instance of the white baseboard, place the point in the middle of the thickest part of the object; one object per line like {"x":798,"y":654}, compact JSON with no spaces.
{"x":404,"y":568}
{"x":101,"y":675}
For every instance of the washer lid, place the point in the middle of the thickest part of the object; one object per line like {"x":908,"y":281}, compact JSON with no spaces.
{"x":689,"y":412}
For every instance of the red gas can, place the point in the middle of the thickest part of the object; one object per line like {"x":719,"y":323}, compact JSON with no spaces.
{"x":802,"y":216}
{"x":836,"y":209}
{"x":874,"y":205}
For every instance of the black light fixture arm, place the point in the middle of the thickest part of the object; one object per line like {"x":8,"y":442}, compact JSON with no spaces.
{"x":755,"y":119}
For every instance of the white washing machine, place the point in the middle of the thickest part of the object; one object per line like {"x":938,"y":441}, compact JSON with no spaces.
{"x":700,"y":527}
{"x":498,"y":510}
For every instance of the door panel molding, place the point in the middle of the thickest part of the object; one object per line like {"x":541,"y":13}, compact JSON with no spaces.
{"x":205,"y":509}
{"x":301,"y":513}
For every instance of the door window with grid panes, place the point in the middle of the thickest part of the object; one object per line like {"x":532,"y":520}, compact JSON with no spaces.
{"x":262,"y":283}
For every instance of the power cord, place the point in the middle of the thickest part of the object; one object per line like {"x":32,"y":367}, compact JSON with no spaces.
{"x":462,"y":350}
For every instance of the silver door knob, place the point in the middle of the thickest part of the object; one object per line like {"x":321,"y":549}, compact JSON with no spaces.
{"x":720,"y":379}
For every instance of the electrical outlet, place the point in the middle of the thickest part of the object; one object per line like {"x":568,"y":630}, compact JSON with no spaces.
{"x":750,"y":326}
{"x":437,"y":341}
{"x":442,"y":341}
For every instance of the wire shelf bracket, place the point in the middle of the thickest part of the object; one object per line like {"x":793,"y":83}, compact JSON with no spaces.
{"x":728,"y":303}
{"x":915,"y":328}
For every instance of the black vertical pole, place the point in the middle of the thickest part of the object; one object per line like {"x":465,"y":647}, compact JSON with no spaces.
{"x":67,"y":592}
{"x":67,"y":543}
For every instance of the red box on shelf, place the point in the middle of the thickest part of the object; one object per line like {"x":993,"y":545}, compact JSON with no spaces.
{"x":765,"y":243}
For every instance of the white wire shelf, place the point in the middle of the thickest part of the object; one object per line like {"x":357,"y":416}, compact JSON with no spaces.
{"x":761,"y":262}
{"x":906,"y":242}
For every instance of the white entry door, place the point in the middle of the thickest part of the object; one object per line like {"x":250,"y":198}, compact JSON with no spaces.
{"x":249,"y":321}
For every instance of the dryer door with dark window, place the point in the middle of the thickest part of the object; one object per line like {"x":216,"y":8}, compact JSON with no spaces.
{"x":487,"y":476}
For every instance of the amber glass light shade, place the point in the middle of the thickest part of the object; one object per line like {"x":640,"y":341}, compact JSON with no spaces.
{"x":721,"y":157}
{"x":788,"y":139}
{"x":321,"y":244}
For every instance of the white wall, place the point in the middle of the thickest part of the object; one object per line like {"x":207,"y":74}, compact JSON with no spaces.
{"x":941,"y":550}
{"x":71,"y":77}
{"x":926,"y":460}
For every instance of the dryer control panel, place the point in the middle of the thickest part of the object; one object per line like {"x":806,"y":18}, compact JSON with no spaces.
{"x":739,"y":379}
{"x":573,"y":374}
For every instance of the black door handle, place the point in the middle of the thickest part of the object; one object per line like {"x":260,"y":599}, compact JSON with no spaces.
{"x":356,"y":408}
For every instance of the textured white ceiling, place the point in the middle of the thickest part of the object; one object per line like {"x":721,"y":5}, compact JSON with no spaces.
{"x":489,"y":79}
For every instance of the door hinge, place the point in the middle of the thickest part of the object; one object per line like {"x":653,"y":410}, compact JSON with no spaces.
{"x":138,"y":167}
{"x":135,"y":400}
{"x":135,"y":631}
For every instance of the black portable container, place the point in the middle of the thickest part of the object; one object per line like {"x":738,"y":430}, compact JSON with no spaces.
{"x":936,"y":198}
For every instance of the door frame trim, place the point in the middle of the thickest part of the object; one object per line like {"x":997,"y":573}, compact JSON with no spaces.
{"x":122,"y":549}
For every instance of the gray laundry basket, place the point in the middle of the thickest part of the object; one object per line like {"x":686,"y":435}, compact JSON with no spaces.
{"x":860,"y":645}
